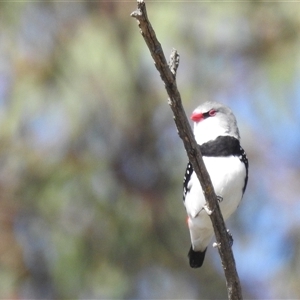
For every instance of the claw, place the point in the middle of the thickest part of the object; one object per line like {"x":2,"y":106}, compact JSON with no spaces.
{"x":208,"y":211}
{"x":219,"y":198}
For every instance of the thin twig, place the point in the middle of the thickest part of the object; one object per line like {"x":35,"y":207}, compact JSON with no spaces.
{"x":168,"y":75}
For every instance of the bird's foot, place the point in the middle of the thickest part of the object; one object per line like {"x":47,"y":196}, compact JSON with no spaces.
{"x":208,"y":211}
{"x":220,"y":199}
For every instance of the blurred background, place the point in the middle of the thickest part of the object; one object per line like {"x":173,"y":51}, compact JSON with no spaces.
{"x":91,"y":166}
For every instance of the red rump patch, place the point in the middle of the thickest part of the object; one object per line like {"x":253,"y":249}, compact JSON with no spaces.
{"x":187,"y":220}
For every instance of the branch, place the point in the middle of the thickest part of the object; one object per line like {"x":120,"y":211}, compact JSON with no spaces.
{"x":168,"y":75}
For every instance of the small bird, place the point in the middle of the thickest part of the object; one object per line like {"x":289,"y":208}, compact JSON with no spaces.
{"x":217,"y":134}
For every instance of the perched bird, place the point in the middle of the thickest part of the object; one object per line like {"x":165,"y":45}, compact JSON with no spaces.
{"x":217,"y":134}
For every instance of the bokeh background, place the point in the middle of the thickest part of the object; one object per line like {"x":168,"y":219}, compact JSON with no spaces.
{"x":91,"y":165}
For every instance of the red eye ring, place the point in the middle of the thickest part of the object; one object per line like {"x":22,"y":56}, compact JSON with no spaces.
{"x":212,"y":112}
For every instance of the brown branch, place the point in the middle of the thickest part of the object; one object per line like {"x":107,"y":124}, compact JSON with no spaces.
{"x":168,"y":75}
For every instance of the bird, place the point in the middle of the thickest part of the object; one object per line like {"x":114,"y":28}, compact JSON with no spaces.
{"x":217,"y":134}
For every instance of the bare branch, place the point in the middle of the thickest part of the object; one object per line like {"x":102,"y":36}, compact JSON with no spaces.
{"x":168,"y":75}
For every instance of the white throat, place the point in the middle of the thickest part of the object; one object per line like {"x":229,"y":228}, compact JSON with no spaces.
{"x":208,"y":130}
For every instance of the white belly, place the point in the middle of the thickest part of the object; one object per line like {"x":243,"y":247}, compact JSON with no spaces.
{"x":228,"y":177}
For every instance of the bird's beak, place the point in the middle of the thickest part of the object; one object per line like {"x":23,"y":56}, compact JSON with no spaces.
{"x":196,"y":116}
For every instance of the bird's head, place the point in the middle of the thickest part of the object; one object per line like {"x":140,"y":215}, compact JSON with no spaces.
{"x":212,"y":119}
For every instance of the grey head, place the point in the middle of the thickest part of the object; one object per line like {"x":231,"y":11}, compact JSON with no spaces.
{"x":213,"y":119}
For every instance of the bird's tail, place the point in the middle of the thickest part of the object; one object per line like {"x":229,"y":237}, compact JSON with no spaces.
{"x":196,"y":258}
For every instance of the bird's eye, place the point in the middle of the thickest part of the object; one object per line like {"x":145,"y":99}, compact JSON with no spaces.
{"x":212,"y":112}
